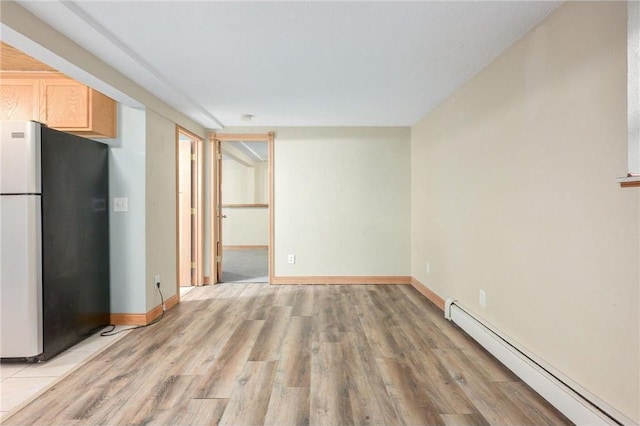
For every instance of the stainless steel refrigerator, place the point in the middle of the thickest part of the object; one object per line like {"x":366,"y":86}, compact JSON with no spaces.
{"x":54,"y":233}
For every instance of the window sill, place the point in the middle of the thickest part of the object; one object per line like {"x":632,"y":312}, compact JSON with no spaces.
{"x":629,"y":181}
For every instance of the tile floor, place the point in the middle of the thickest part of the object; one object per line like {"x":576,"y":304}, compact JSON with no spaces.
{"x":20,"y":383}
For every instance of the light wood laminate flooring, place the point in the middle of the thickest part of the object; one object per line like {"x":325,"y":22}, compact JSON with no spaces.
{"x":252,"y":354}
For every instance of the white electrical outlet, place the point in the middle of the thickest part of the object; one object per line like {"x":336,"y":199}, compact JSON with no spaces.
{"x":121,"y":204}
{"x":483,"y":298}
{"x":428,"y":268}
{"x":291,"y":259}
{"x":156,"y":281}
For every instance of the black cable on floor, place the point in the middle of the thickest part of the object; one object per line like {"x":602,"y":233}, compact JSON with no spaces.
{"x":155,"y":321}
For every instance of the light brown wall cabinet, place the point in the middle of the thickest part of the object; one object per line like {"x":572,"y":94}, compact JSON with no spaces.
{"x":20,"y":98}
{"x":59,"y":102}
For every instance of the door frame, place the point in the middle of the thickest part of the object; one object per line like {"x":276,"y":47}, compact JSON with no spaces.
{"x":214,"y":161}
{"x":197,"y":228}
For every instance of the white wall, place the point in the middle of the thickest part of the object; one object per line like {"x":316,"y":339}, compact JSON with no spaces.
{"x":127,"y":229}
{"x":245,"y":226}
{"x":342,"y":200}
{"x":514,"y":192}
{"x":261,"y":183}
{"x":238,"y":183}
{"x":243,"y":184}
{"x":160,"y":199}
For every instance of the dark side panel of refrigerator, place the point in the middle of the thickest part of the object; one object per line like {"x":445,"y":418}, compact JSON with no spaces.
{"x":75,"y":239}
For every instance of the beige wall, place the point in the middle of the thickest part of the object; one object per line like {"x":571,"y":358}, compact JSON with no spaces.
{"x":342,"y":201}
{"x":261,"y":183}
{"x":514,"y":192}
{"x":244,"y":185}
{"x":160,"y":204}
{"x":245,"y":227}
{"x":238,"y":183}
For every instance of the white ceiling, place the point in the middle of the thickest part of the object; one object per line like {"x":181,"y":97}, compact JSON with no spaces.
{"x":299,"y":63}
{"x":257,"y":151}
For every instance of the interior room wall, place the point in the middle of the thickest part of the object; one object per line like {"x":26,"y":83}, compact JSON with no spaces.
{"x":261,"y":183}
{"x":241,"y":184}
{"x":127,"y":229}
{"x":160,"y":208}
{"x":514,"y":192}
{"x":342,"y":200}
{"x":245,"y":227}
{"x":238,"y":182}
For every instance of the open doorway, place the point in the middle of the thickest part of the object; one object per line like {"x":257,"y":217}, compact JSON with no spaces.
{"x":242,"y":222}
{"x":190,"y":218}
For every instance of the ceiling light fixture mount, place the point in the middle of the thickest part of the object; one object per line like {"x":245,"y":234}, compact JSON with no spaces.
{"x":246,"y":117}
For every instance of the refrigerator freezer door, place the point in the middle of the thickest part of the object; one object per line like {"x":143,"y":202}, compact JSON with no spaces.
{"x":21,"y":333}
{"x":20,"y":157}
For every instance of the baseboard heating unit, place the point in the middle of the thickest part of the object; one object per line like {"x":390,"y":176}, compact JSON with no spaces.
{"x":577,"y":404}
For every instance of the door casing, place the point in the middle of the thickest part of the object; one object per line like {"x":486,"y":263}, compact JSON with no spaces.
{"x":196,"y":165}
{"x":215,"y":184}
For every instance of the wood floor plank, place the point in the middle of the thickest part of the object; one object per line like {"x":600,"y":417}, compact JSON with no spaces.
{"x":209,"y":336}
{"x":288,"y":406}
{"x":194,"y":412}
{"x":382,"y":305}
{"x":411,"y":401}
{"x":348,"y":317}
{"x":250,"y":399}
{"x":269,"y":342}
{"x":285,"y":295}
{"x":264,"y":297}
{"x":485,"y":394}
{"x":303,"y":301}
{"x":421,"y":315}
{"x":220,"y":291}
{"x":325,"y":319}
{"x":329,"y":403}
{"x":219,"y":381}
{"x":45,"y":411}
{"x":358,"y":295}
{"x":537,"y":410}
{"x":444,"y":392}
{"x":316,"y":355}
{"x":294,"y":368}
{"x":370,"y":402}
{"x":462,"y":420}
{"x":383,"y":343}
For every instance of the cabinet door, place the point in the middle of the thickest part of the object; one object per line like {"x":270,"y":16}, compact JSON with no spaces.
{"x":19,"y":99}
{"x":67,"y":104}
